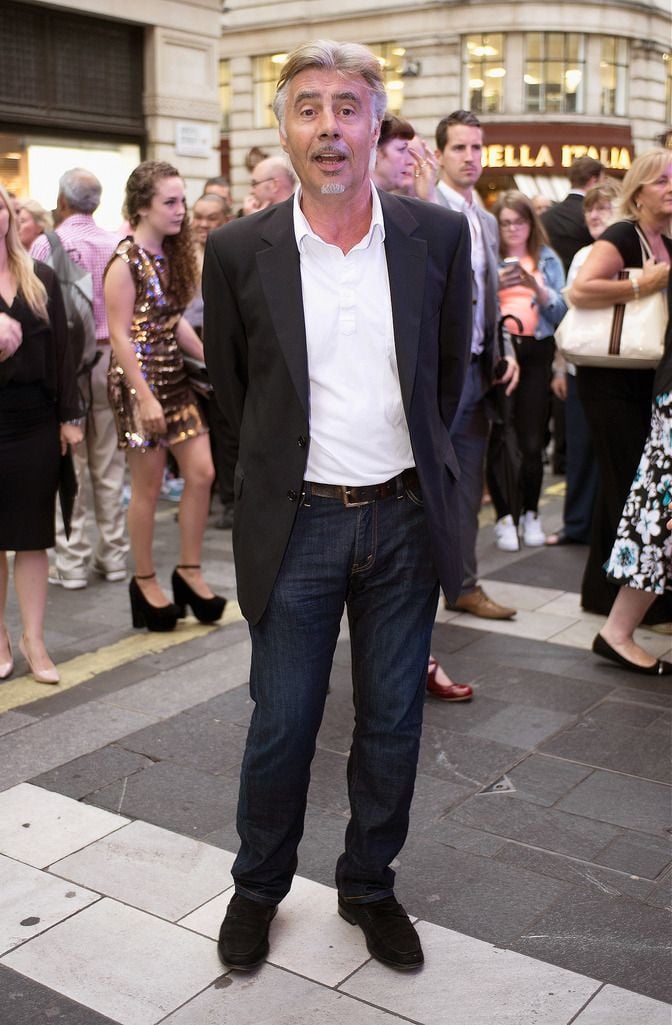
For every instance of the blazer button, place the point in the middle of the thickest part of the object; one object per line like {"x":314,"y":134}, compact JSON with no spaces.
{"x":292,"y":495}
{"x":301,"y":441}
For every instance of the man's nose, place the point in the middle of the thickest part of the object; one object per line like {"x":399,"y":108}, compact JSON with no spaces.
{"x":328,"y":125}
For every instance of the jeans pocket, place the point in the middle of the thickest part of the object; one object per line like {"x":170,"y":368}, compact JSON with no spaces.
{"x":414,"y":495}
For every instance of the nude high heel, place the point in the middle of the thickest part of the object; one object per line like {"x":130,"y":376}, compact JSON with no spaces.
{"x":39,"y":675}
{"x":6,"y":668}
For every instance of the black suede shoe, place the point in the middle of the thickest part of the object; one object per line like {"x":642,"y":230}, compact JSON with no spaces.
{"x":390,"y":937}
{"x":243,"y":937}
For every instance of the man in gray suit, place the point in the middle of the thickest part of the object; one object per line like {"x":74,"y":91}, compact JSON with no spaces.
{"x":459,"y":145}
{"x":336,"y":334}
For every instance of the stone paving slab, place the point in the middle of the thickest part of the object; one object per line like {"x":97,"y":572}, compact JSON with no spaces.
{"x":637,"y":804}
{"x":31,"y":901}
{"x":121,"y":962}
{"x":612,"y":746}
{"x":38,"y":827}
{"x":615,"y":1006}
{"x":85,"y":775}
{"x":510,"y":991}
{"x":25,"y":1002}
{"x":150,"y":868}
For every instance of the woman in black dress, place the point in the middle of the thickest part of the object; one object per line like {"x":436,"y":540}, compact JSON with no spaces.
{"x":617,"y":401}
{"x":39,"y":407}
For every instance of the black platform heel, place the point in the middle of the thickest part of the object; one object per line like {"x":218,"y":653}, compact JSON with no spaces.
{"x":206,"y":610}
{"x":160,"y":618}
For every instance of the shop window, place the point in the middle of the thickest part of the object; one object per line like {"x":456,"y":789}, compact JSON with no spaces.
{"x":667,"y":57}
{"x":396,"y":66}
{"x":554,"y":73}
{"x":613,"y":75}
{"x":484,"y":73}
{"x":225,"y":94}
{"x":265,"y":73}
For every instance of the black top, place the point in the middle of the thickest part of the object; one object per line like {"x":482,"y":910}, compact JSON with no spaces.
{"x":44,"y":358}
{"x":623,"y":235}
{"x":566,"y":228}
{"x":663,"y":378}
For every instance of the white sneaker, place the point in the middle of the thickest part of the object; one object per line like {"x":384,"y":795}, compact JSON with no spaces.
{"x":113,"y":576}
{"x":506,"y":534}
{"x":533,"y":535}
{"x":69,"y":583}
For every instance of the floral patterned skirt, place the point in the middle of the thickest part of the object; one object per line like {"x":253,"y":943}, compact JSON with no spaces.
{"x":642,"y":553}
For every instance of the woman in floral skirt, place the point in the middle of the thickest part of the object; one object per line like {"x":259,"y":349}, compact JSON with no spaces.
{"x":641,"y":559}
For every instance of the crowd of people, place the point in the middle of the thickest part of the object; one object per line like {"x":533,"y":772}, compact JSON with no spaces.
{"x":224,"y":344}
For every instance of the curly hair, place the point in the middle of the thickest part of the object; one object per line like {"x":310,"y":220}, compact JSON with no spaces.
{"x":178,"y":249}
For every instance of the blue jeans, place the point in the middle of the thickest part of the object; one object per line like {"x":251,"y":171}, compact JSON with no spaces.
{"x":376,"y":560}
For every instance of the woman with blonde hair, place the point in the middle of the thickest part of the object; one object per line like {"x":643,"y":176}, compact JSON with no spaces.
{"x":32,"y":220}
{"x":617,"y":401}
{"x":149,"y":282}
{"x":39,"y":410}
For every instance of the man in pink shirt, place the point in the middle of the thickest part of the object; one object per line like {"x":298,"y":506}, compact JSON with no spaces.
{"x":91,"y":247}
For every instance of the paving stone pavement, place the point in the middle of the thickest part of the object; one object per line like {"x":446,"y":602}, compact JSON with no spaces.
{"x":538,"y":862}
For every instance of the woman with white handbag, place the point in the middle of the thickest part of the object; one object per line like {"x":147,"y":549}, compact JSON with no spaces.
{"x":641,"y":559}
{"x":617,"y":399}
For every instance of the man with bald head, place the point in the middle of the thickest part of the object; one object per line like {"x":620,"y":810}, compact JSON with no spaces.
{"x":272,"y":182}
{"x":92,"y":247}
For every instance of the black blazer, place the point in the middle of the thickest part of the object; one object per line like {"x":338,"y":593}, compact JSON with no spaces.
{"x":255,"y":350}
{"x":566,"y":228}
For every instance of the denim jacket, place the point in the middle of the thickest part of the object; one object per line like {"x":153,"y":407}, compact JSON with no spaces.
{"x":552,"y":312}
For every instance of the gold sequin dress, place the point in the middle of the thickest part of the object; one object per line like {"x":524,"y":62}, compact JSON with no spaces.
{"x":159,"y":356}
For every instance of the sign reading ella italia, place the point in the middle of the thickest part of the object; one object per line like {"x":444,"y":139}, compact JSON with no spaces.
{"x":507,"y":155}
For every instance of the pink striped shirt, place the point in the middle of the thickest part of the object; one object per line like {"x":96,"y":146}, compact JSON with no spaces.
{"x":91,"y":247}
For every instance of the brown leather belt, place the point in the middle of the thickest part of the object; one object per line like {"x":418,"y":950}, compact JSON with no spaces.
{"x":363,"y":494}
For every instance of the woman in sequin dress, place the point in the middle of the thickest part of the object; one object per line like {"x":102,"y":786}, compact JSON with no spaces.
{"x":148,"y":283}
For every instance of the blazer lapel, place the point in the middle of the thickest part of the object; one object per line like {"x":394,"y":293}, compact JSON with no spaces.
{"x":406,"y":266}
{"x":280,"y":275}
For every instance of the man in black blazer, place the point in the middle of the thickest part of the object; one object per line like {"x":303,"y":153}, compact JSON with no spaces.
{"x":336,"y":331}
{"x":564,"y":222}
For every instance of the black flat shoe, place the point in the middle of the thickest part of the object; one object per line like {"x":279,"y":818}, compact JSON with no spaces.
{"x":390,"y":936}
{"x":206,"y":610}
{"x":605,"y":650}
{"x":243,"y":936}
{"x":159,"y":618}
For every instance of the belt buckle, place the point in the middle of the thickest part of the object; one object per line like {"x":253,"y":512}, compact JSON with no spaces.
{"x":347,"y":502}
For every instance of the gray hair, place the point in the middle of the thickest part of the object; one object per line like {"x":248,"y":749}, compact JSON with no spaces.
{"x":348,"y":59}
{"x":81,"y":190}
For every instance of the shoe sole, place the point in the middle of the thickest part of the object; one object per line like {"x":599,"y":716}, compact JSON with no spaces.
{"x":69,"y":585}
{"x":506,"y":547}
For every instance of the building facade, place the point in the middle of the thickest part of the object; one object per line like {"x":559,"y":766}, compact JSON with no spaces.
{"x":549,"y":83}
{"x":102,"y":86}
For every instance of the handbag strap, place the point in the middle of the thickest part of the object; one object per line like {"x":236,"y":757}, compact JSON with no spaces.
{"x":647,"y":252}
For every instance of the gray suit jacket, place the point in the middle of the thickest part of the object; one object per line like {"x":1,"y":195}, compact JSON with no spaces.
{"x":255,"y":348}
{"x":491,"y":239}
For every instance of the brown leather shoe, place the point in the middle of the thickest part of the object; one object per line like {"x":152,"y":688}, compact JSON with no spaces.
{"x":478,"y":604}
{"x":439,"y":685}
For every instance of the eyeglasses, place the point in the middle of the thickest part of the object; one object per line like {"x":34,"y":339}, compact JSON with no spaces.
{"x":512,"y":224}
{"x":254,"y":184}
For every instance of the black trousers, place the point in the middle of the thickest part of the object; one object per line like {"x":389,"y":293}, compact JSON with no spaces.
{"x":617,"y":404}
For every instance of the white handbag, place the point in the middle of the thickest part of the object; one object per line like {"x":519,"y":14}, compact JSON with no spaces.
{"x":628,"y":334}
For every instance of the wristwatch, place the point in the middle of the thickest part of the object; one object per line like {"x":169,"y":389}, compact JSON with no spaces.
{"x":73,"y":423}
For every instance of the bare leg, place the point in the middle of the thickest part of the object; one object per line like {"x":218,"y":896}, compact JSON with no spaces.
{"x":195,"y":462}
{"x":5,"y":654}
{"x":30,"y":581}
{"x":626,"y":614}
{"x":146,"y":468}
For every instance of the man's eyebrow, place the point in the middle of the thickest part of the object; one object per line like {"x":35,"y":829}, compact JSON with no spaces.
{"x":315,"y":94}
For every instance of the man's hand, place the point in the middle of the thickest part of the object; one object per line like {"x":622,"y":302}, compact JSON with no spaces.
{"x":11,"y":336}
{"x":559,"y":386}
{"x":512,"y":375}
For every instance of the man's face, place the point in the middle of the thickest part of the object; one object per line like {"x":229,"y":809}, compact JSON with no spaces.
{"x":460,"y":160}
{"x":205,"y":217}
{"x":329,"y":132}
